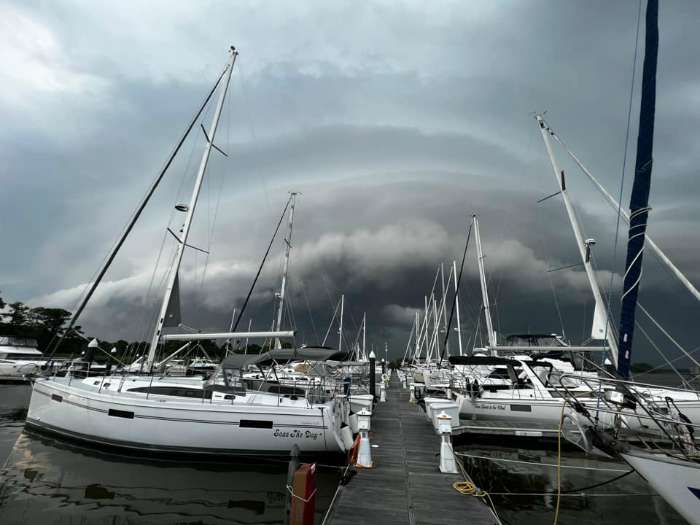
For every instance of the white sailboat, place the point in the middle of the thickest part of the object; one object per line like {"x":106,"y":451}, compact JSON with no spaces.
{"x":164,"y":414}
{"x":673,"y":472}
{"x":19,"y":361}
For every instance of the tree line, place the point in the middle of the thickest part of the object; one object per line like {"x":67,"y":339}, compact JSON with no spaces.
{"x":47,"y":325}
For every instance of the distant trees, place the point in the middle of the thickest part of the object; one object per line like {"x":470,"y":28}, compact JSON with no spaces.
{"x":46,"y":325}
{"x":41,"y":323}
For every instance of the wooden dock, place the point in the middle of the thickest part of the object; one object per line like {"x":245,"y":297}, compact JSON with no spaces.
{"x":405,"y":486}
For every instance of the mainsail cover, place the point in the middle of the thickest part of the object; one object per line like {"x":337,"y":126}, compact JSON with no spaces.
{"x":639,"y":201}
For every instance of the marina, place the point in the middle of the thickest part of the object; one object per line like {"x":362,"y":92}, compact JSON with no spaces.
{"x":404,"y":480}
{"x":316,"y":280}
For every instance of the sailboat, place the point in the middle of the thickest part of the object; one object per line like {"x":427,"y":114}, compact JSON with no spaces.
{"x":19,"y":361}
{"x":674,"y":472}
{"x":167,"y":414}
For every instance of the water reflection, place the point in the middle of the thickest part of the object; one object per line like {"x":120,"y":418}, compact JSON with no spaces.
{"x":47,"y":481}
{"x":523,"y":486}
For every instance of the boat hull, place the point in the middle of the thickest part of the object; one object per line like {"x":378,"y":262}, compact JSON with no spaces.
{"x":548,"y":412}
{"x":677,"y":481}
{"x":166,"y":426}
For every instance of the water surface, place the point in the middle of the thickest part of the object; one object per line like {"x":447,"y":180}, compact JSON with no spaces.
{"x":50,"y":482}
{"x":522,"y":483}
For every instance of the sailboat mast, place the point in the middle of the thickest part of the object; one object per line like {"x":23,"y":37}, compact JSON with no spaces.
{"x":459,"y":326}
{"x":287,"y":249}
{"x":340,"y":328}
{"x":419,"y":333}
{"x":625,"y":216}
{"x":639,"y":200}
{"x":444,"y":307}
{"x":583,"y":246}
{"x":484,"y":289}
{"x":173,"y":275}
{"x":364,"y":336}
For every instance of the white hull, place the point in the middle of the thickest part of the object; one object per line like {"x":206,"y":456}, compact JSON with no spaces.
{"x":167,"y":424}
{"x":542,"y":412}
{"x":676,"y":480}
{"x":547,"y":412}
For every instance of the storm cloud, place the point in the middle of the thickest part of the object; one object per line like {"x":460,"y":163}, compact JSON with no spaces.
{"x":396,"y":122}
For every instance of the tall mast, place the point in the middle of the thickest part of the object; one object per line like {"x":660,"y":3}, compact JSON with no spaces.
{"x":584,"y":248}
{"x":364,"y":336}
{"x":424,"y":327}
{"x":419,"y":332}
{"x":639,"y":200}
{"x":436,"y":329}
{"x":340,"y":328}
{"x":484,"y":289}
{"x":174,"y":270}
{"x":444,"y":308}
{"x":459,"y":326}
{"x":287,"y":249}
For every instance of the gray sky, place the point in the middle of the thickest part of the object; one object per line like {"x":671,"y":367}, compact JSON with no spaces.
{"x":396,"y":120}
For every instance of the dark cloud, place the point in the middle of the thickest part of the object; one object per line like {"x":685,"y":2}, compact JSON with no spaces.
{"x":395,"y":121}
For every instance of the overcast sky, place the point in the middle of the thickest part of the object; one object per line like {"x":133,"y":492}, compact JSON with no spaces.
{"x":396,"y":121}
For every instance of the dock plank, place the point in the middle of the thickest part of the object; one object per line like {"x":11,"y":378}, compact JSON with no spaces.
{"x":405,"y":486}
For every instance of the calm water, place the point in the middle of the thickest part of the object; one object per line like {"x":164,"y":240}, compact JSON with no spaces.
{"x":628,"y":501}
{"x":48,"y":482}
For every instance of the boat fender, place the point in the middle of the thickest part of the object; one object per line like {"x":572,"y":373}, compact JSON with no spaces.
{"x":354,"y":423}
{"x":303,"y":494}
{"x":354,"y":451}
{"x":346,"y":436}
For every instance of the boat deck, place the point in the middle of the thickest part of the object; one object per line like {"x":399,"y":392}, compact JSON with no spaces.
{"x":405,"y":485}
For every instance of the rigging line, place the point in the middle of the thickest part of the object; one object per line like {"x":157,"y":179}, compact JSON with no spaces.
{"x":251,"y":127}
{"x":678,"y":358}
{"x":262,"y":263}
{"x":506,"y":460}
{"x":308,"y":309}
{"x":147,"y":298}
{"x":454,"y":299}
{"x":135,"y":216}
{"x":211,"y":229}
{"x":668,"y":335}
{"x":554,"y":294}
{"x":330,"y":325}
{"x":624,"y":158}
{"x":663,"y":356}
{"x":325,"y":285}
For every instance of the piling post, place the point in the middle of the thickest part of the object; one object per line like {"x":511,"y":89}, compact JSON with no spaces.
{"x":291,"y":470}
{"x":364,"y":457}
{"x":412,"y":394}
{"x":448,"y":464}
